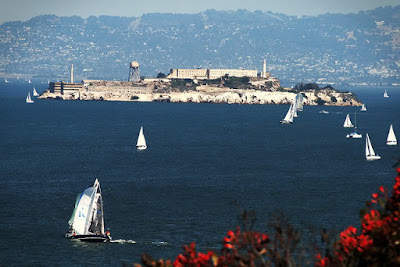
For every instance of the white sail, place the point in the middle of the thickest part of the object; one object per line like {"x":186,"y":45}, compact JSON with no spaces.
{"x":347,"y":122}
{"x":141,"y":141}
{"x":5,"y":80}
{"x":289,"y":115}
{"x":87,"y":217}
{"x":35,"y":93}
{"x":299,"y":102}
{"x":369,"y":150}
{"x":391,"y":139}
{"x":29,"y":80}
{"x":385,"y":94}
{"x":363,"y":108}
{"x":28,"y":98}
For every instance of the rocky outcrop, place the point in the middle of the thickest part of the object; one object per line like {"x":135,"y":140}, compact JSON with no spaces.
{"x":217,"y":95}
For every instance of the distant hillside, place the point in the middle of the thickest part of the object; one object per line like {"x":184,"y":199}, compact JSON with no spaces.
{"x":361,"y":48}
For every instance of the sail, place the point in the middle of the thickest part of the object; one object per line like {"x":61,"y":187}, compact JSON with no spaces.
{"x":141,"y":141}
{"x":369,"y":150}
{"x":87,"y":217}
{"x":35,"y":93}
{"x":385,"y":94}
{"x":289,"y":114}
{"x":28,"y":98}
{"x":299,"y":102}
{"x":391,"y":139}
{"x":363,"y":108}
{"x":347,"y":122}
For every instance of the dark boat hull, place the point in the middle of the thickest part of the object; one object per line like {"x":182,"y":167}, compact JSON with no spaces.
{"x":91,"y":238}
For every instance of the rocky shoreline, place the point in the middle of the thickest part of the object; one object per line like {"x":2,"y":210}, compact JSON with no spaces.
{"x":207,"y":94}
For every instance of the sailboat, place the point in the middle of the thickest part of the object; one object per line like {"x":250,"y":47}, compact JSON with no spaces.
{"x":28,"y":98}
{"x":35,"y":93}
{"x":363,"y":108}
{"x":141,"y":141}
{"x":5,"y":80}
{"x":354,"y":134}
{"x":369,"y":151}
{"x":289,"y":116}
{"x":29,"y":80}
{"x":391,"y":139}
{"x":385,"y":94}
{"x":347,"y":122}
{"x":87,"y":220}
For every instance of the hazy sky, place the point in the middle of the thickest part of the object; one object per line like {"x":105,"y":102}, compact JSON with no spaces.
{"x":25,"y":9}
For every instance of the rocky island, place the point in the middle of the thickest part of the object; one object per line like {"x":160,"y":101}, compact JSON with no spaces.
{"x":231,"y":90}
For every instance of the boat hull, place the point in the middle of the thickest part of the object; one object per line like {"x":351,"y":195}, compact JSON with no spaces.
{"x":370,"y":158}
{"x":285,"y":122}
{"x":141,"y":147}
{"x":90,"y":238}
{"x":391,"y":143}
{"x":354,"y":135}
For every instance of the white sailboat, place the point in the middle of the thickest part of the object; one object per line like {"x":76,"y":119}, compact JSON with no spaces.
{"x":35,"y":93}
{"x":391,"y":139}
{"x":141,"y":141}
{"x":5,"y":80}
{"x":363,"y":108}
{"x":347,"y":122}
{"x":354,"y":133}
{"x":289,"y":116}
{"x":385,"y":94}
{"x":29,"y":80}
{"x":87,"y":220}
{"x":28,"y":98}
{"x":369,"y":151}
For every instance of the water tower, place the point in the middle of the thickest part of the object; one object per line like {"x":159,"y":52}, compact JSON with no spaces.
{"x":134,"y":74}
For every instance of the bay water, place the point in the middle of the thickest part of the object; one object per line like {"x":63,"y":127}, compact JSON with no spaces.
{"x":204,"y":164}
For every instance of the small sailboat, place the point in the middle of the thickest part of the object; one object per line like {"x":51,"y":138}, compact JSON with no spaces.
{"x":369,"y":151}
{"x":385,"y":94}
{"x":5,"y":80}
{"x":28,"y":98}
{"x":354,"y":133}
{"x":324,"y":112}
{"x":35,"y":93}
{"x":363,"y":108}
{"x":87,"y":220}
{"x":289,"y":116}
{"x":347,"y":122}
{"x":391,"y":139}
{"x":141,"y":141}
{"x":29,"y":80}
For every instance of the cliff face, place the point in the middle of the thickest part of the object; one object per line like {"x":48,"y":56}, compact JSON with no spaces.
{"x":216,"y":95}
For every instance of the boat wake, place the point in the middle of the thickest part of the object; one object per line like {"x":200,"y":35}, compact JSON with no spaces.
{"x":123,"y":241}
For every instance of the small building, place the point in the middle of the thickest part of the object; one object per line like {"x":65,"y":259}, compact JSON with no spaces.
{"x":64,"y":87}
{"x":209,"y":74}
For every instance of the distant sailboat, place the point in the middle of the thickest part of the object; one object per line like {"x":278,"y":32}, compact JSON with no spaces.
{"x":34,"y":92}
{"x":87,"y":220}
{"x":369,"y":151}
{"x":141,"y":142}
{"x":28,"y":98}
{"x":29,"y":80}
{"x":391,"y":139}
{"x":347,"y":122}
{"x":354,"y":134}
{"x":363,"y":108}
{"x":289,"y":116}
{"x":5,"y":80}
{"x":385,"y":94}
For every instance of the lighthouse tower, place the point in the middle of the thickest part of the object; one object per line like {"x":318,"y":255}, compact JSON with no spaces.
{"x":72,"y":73}
{"x":264,"y":73}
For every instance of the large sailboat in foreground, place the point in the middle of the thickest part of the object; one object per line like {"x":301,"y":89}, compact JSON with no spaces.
{"x":391,"y":139}
{"x":87,"y":220}
{"x":369,"y":151}
{"x":141,"y":141}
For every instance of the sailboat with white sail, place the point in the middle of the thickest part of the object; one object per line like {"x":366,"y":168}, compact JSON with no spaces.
{"x":29,"y":99}
{"x":385,"y":94}
{"x":5,"y":80}
{"x":289,"y":116}
{"x":363,"y":108}
{"x":141,"y":141}
{"x":369,"y":151}
{"x":29,"y":80}
{"x":87,"y":220}
{"x":354,"y":133}
{"x":347,"y":122}
{"x":391,"y":139}
{"x":35,"y":93}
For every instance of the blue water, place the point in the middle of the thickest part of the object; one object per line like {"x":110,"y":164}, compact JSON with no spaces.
{"x":201,"y":159}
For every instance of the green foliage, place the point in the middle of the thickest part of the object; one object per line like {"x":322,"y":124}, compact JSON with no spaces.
{"x":161,"y":75}
{"x":320,"y":102}
{"x":236,"y":82}
{"x":333,"y":99}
